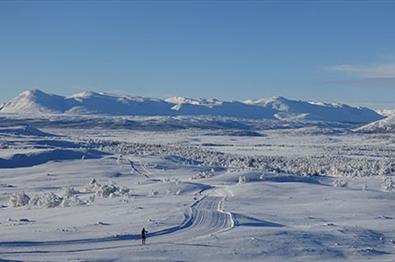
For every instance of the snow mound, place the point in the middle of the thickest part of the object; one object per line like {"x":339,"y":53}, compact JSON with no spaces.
{"x":70,"y":196}
{"x":70,"y":191}
{"x":41,"y":157}
{"x":24,"y":131}
{"x":107,"y":190}
{"x":52,"y":200}
{"x":177,"y":187}
{"x":46,"y":200}
{"x":340,"y":183}
{"x":70,"y":201}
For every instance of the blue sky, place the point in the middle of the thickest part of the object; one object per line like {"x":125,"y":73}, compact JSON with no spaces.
{"x":233,"y":50}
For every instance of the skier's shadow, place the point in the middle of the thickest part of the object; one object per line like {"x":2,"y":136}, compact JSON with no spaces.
{"x":165,"y":231}
{"x":69,"y":242}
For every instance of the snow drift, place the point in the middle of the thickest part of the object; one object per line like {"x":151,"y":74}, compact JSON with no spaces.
{"x":41,"y":157}
{"x":24,"y":131}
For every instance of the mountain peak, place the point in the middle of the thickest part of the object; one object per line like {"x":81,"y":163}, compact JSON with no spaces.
{"x":265,"y":101}
{"x":182,"y":100}
{"x":193,"y":101}
{"x":280,"y":108}
{"x":85,"y":94}
{"x":32,"y":92}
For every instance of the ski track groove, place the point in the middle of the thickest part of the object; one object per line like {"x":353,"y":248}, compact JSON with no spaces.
{"x":202,"y":219}
{"x":205,"y":217}
{"x":139,"y":168}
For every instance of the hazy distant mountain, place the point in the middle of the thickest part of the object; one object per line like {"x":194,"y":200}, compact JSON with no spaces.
{"x":331,"y":112}
{"x":386,"y":125}
{"x":386,"y":112}
{"x":38,"y":102}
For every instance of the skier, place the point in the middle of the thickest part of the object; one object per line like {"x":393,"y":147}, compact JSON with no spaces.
{"x":143,"y":235}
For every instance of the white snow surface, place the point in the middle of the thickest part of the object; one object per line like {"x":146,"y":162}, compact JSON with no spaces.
{"x":386,"y":125}
{"x":83,"y":192}
{"x":276,"y":108}
{"x":386,"y":112}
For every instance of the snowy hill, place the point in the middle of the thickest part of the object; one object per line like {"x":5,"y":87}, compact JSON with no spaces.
{"x":386,"y":125}
{"x":386,"y":112}
{"x":22,"y":131}
{"x":316,"y":110}
{"x":35,"y":101}
{"x":38,"y":102}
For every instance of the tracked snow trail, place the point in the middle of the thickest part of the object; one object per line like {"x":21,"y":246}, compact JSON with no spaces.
{"x":208,"y":216}
{"x":204,"y":218}
{"x":139,"y":168}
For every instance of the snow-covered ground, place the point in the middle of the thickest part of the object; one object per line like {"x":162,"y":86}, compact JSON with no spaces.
{"x":386,"y":125}
{"x":69,"y":193}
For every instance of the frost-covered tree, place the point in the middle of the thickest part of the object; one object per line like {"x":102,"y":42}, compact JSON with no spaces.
{"x":18,"y":200}
{"x":388,"y":184}
{"x":340,"y":183}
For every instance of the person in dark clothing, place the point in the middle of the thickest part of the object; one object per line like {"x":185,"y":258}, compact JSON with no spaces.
{"x":143,"y":235}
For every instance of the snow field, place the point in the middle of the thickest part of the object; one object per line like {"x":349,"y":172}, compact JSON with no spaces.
{"x":199,"y":202}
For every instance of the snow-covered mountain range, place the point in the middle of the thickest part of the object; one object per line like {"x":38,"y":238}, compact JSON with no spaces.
{"x":39,"y":102}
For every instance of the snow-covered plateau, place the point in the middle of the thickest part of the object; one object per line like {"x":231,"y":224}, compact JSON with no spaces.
{"x":79,"y":186}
